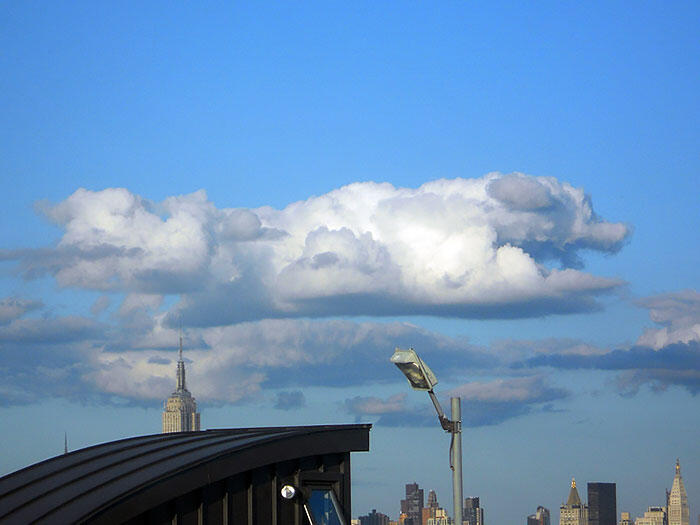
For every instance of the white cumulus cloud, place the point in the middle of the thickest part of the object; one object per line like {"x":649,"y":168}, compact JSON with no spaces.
{"x":494,"y":246}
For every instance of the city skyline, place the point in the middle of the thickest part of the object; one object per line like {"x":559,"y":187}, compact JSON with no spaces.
{"x":603,"y":510}
{"x":510,"y":189}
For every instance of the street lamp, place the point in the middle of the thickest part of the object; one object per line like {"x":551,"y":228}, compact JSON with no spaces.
{"x":421,"y":377}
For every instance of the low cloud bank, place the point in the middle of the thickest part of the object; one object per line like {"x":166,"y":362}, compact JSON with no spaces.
{"x":12,"y":308}
{"x":133,"y":360}
{"x":665,"y":356}
{"x":232,"y":364}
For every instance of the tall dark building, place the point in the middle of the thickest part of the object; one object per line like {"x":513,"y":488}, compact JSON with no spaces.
{"x":374,"y":518}
{"x":472,"y":512}
{"x":602,"y":504}
{"x":412,"y":506}
{"x":541,"y":517}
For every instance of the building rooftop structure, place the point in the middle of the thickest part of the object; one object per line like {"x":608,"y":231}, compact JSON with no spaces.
{"x":573,"y":499}
{"x":224,"y":476}
{"x":678,"y":510}
{"x":573,"y":512}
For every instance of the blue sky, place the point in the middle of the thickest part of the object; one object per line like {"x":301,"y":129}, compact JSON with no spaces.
{"x":511,"y":189}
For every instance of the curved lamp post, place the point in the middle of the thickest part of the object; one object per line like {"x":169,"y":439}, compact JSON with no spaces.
{"x":421,"y":377}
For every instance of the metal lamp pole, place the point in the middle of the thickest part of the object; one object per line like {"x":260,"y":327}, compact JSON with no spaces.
{"x":456,"y":459}
{"x":420,"y":377}
{"x":454,"y":427}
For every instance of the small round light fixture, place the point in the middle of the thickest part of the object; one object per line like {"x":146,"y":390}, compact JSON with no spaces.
{"x":288,"y":491}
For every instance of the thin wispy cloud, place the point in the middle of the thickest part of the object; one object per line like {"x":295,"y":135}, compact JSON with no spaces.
{"x":133,"y":358}
{"x":291,"y":400}
{"x":286,"y":354}
{"x":484,"y":403}
{"x":666,"y":356}
{"x":12,"y":308}
{"x":677,"y":313}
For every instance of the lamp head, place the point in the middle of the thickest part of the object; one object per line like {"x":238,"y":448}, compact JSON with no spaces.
{"x":419,"y":375}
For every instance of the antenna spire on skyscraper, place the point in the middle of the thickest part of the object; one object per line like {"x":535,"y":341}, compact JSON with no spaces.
{"x":181,"y":384}
{"x":180,"y":413}
{"x":180,"y":355}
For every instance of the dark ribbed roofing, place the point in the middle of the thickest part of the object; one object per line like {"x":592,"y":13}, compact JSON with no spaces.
{"x":145,"y":470}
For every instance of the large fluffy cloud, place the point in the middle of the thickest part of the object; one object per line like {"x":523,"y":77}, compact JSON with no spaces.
{"x":246,"y":284}
{"x":476,"y":248}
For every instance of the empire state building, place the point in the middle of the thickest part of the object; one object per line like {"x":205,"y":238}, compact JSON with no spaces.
{"x":180,"y":414}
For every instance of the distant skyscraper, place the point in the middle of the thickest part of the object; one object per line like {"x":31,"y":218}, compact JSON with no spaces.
{"x":374,"y":518}
{"x":433,"y":514}
{"x":432,"y":500}
{"x":602,"y":504}
{"x":678,"y":511}
{"x":541,"y":517}
{"x":653,"y":516}
{"x":472,"y":513}
{"x":625,"y":519}
{"x":573,"y":512}
{"x":412,"y":506}
{"x":180,"y":414}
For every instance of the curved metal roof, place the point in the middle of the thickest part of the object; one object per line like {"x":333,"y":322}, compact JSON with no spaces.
{"x":141,"y":472}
